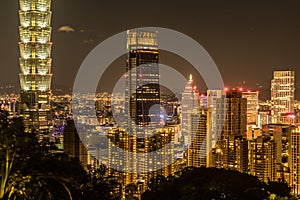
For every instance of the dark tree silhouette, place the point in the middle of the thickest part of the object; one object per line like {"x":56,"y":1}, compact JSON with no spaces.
{"x":30,"y":170}
{"x":212,"y":183}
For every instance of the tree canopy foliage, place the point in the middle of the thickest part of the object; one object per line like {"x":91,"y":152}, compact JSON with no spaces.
{"x":30,"y":169}
{"x":212,"y":183}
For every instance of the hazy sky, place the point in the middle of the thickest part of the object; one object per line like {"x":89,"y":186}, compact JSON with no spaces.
{"x":246,"y":39}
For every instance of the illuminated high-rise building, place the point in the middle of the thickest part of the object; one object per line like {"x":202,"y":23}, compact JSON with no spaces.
{"x":262,"y":158}
{"x":216,"y":101}
{"x":282,"y":95}
{"x":264,"y":115}
{"x":190,"y":101}
{"x":231,"y":150}
{"x":142,"y":97}
{"x":252,"y":106}
{"x":118,"y":160}
{"x":199,"y":152}
{"x":294,"y":160}
{"x":142,"y":79}
{"x":231,"y":153}
{"x":235,"y":114}
{"x":35,"y":63}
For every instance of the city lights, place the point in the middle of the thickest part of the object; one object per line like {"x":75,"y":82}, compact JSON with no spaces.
{"x":140,"y":131}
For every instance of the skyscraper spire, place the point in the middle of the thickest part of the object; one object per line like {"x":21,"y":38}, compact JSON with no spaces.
{"x":35,"y":64}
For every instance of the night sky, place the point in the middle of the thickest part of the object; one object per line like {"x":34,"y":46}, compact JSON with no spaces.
{"x":246,"y":39}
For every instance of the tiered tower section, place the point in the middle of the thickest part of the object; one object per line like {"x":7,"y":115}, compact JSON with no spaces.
{"x":35,"y":63}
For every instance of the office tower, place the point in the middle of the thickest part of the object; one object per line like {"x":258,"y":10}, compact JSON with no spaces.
{"x":252,"y":106}
{"x":142,"y":79}
{"x":282,"y":95}
{"x":280,"y":134}
{"x":73,"y":145}
{"x":262,"y":158}
{"x":242,"y":154}
{"x":235,"y":114}
{"x":122,"y":139}
{"x":164,"y":137}
{"x":264,"y":115}
{"x":294,"y":160}
{"x":116,"y":159}
{"x":216,"y":102}
{"x":190,"y":101}
{"x":199,"y":152}
{"x":35,"y":63}
{"x":203,"y":101}
{"x":142,"y":97}
{"x":231,"y":151}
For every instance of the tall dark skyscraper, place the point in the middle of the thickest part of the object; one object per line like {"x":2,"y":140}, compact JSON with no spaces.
{"x":142,"y":79}
{"x":35,"y":64}
{"x":235,"y":114}
{"x":232,"y":148}
{"x":142,"y":97}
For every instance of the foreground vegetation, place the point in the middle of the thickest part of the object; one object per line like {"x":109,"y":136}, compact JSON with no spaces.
{"x":30,"y":170}
{"x":212,"y":183}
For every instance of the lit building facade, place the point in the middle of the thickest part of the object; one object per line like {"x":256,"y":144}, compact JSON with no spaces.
{"x":190,"y":101}
{"x":142,"y":80}
{"x":10,"y":103}
{"x":282,"y":95}
{"x":35,"y":63}
{"x":294,"y":160}
{"x":142,"y":97}
{"x":216,"y":102}
{"x":262,"y":158}
{"x":199,"y":152}
{"x":280,"y":133}
{"x":252,"y":106}
{"x":264,"y":115}
{"x":235,"y":114}
{"x":120,"y":138}
{"x":231,"y":151}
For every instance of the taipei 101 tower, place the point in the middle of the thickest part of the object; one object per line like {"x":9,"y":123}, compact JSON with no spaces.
{"x":35,"y":63}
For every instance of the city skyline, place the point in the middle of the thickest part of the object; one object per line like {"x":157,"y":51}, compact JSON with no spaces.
{"x":252,"y":37}
{"x":138,"y":116}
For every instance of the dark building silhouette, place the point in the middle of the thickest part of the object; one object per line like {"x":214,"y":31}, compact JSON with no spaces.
{"x":73,"y":145}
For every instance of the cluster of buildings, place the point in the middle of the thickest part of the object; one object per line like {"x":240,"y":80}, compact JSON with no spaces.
{"x":230,"y":128}
{"x":10,"y":103}
{"x":236,"y":131}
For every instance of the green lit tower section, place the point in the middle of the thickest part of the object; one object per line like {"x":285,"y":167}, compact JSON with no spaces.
{"x":35,"y":63}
